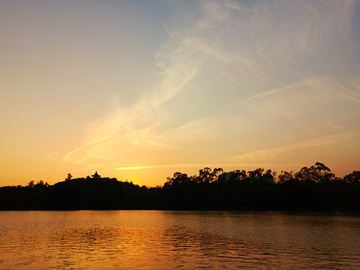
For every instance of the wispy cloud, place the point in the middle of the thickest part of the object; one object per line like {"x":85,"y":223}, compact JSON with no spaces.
{"x":274,"y":152}
{"x":195,"y":165}
{"x":235,"y":70}
{"x":178,"y":62}
{"x":141,"y":167}
{"x":273,"y":91}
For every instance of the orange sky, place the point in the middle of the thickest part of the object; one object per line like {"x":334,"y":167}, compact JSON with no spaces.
{"x":138,"y":90}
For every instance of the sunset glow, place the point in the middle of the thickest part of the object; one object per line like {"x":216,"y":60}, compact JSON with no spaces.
{"x":138,"y":90}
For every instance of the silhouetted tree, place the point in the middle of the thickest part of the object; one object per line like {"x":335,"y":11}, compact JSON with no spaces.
{"x":31,"y":184}
{"x":285,"y":177}
{"x":352,"y":178}
{"x":311,"y":188}
{"x":69,"y":177}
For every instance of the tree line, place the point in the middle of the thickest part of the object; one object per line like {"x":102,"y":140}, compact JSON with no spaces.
{"x":311,"y":188}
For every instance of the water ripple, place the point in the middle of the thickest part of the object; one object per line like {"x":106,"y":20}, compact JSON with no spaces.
{"x":178,"y":245}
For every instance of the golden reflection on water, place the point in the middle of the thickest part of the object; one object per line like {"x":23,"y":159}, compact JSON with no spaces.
{"x":176,"y":240}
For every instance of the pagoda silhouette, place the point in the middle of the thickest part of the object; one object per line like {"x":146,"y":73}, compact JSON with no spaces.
{"x":96,"y":175}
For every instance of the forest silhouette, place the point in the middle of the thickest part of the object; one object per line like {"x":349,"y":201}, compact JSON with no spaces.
{"x":313,"y":188}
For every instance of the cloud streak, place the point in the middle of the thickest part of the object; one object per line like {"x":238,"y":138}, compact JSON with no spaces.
{"x":235,"y":71}
{"x":274,"y":152}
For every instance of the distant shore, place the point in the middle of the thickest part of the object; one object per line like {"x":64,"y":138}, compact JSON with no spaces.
{"x":310,"y":189}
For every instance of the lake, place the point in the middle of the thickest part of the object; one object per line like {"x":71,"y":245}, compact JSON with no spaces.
{"x":178,"y":240}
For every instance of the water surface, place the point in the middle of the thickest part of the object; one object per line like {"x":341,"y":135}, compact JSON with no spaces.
{"x":178,"y":240}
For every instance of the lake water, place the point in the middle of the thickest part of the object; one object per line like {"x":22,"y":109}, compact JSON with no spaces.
{"x":178,"y":240}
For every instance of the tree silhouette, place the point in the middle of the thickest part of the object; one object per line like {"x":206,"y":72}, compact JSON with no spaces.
{"x":353,"y":178}
{"x":31,"y":184}
{"x":311,"y":188}
{"x":69,"y":177}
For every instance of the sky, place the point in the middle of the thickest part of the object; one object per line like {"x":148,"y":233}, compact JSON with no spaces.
{"x":139,"y":90}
